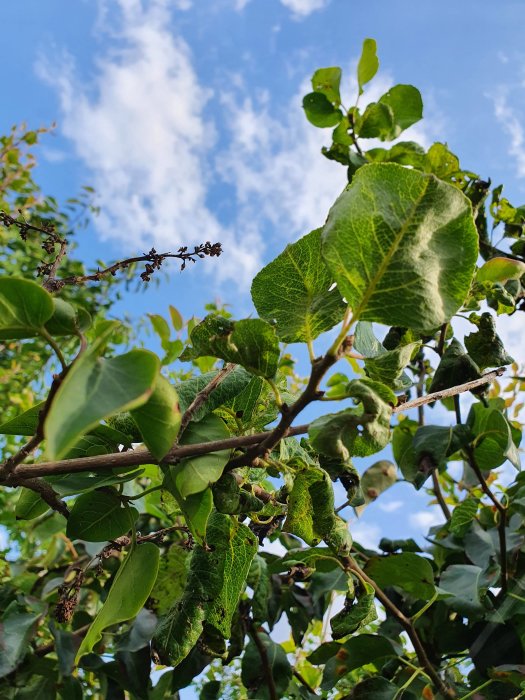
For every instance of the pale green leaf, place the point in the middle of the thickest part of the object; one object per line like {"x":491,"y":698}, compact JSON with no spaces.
{"x":500,"y":270}
{"x":368,"y":63}
{"x":159,"y":418}
{"x":328,"y":81}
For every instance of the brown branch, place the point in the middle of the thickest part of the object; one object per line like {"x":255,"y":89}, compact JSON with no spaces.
{"x":304,"y":682}
{"x":351,"y":565}
{"x":502,"y":524}
{"x":47,"y":494}
{"x":265,"y":662}
{"x":203,"y":395}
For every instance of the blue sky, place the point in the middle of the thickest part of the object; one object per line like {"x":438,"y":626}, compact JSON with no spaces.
{"x":185,"y":115}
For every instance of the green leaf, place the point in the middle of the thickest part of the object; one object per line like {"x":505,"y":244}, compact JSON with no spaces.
{"x":402,"y":247}
{"x":500,"y":270}
{"x":259,"y":582}
{"x":460,"y":586}
{"x":356,"y":652}
{"x":29,"y":505}
{"x":493,"y":442}
{"x":194,"y":474}
{"x":159,"y":418}
{"x":67,"y":319}
{"x":93,"y":389}
{"x":485,"y":346}
{"x":215,"y":581}
{"x":368,"y":63}
{"x":195,"y":508}
{"x":253,"y":675}
{"x":376,"y":480}
{"x":328,"y":82}
{"x":210,"y":690}
{"x":375,"y":688}
{"x":16,"y":629}
{"x":406,"y":105}
{"x":161,"y":327}
{"x":356,"y":431}
{"x":130,"y":590}
{"x":24,"y":308}
{"x":24,"y":424}
{"x":251,"y":343}
{"x":356,"y":613}
{"x":408,"y":571}
{"x":463,"y":515}
{"x":320,"y":111}
{"x":294,"y":291}
{"x":365,"y":342}
{"x":376,"y":122}
{"x":99,"y":516}
{"x":230,"y":387}
{"x":388,"y":367}
{"x":176,"y":319}
{"x":230,"y":499}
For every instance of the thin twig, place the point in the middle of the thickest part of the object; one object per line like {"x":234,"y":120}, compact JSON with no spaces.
{"x":502,"y":524}
{"x":203,"y":395}
{"x":304,"y":682}
{"x":265,"y":662}
{"x":47,"y":494}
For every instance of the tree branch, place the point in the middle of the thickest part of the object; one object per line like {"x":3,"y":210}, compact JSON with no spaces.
{"x":47,"y":494}
{"x":265,"y":663}
{"x":203,"y":395}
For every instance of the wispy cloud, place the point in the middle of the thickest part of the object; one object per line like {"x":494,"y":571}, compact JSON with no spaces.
{"x":512,"y":124}
{"x":303,"y":8}
{"x":422,"y":520}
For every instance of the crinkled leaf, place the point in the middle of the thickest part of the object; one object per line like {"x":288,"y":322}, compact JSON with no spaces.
{"x":216,"y":578}
{"x":485,"y":346}
{"x":24,"y":308}
{"x":251,"y":343}
{"x":402,"y":246}
{"x":128,"y":593}
{"x":230,"y":499}
{"x":93,"y":389}
{"x":194,"y":474}
{"x":231,"y":386}
{"x":388,"y":367}
{"x":328,"y":81}
{"x":159,"y":418}
{"x":462,"y":516}
{"x":356,"y":431}
{"x":259,"y":582}
{"x":99,"y":515}
{"x":408,"y":571}
{"x":368,"y":63}
{"x":253,"y":674}
{"x":320,"y":111}
{"x":356,"y":613}
{"x":294,"y":290}
{"x":365,"y":342}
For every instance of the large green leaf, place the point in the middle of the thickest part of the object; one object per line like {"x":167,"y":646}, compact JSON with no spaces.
{"x":251,"y":343}
{"x":130,"y":590}
{"x":409,"y":571}
{"x":159,"y":418}
{"x":356,"y":431}
{"x":254,"y":676}
{"x":295,"y":291}
{"x":24,"y":308}
{"x":194,"y":474}
{"x":216,"y":578}
{"x":402,"y":246}
{"x":93,"y":389}
{"x":485,"y":346}
{"x":99,"y":516}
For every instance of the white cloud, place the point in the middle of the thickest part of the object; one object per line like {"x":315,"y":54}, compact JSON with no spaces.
{"x":140,"y":129}
{"x":391,"y":506}
{"x":303,"y":8}
{"x":512,"y":125}
{"x":424,"y":519}
{"x":366,"y":534}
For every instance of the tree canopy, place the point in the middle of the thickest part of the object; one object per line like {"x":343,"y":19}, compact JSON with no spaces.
{"x":138,"y":489}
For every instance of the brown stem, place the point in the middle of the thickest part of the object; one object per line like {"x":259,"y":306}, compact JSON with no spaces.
{"x":439,"y":495}
{"x":203,"y":395}
{"x":407,"y":625}
{"x":265,"y":662}
{"x":502,"y":524}
{"x":304,"y":682}
{"x":50,"y":282}
{"x":47,"y":494}
{"x":262,"y":441}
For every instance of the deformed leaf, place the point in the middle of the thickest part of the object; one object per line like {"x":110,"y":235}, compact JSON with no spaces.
{"x":93,"y":389}
{"x":215,"y":581}
{"x":407,"y":570}
{"x":493,"y":442}
{"x":230,"y":499}
{"x":251,"y":343}
{"x":128,"y":593}
{"x":295,"y":290}
{"x":485,"y":346}
{"x":356,"y":431}
{"x":99,"y":516}
{"x":24,"y":308}
{"x":455,"y":367}
{"x":402,"y":246}
{"x":388,"y":367}
{"x":357,"y":612}
{"x":377,"y":479}
{"x":159,"y":418}
{"x":368,"y":63}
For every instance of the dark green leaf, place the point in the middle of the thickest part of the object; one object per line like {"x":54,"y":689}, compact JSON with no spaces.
{"x":16,"y":629}
{"x":253,"y":674}
{"x":67,"y":319}
{"x":406,"y":105}
{"x":408,"y":571}
{"x":294,"y":290}
{"x":485,"y":346}
{"x":230,"y":499}
{"x":375,"y":688}
{"x":455,"y":367}
{"x":128,"y":593}
{"x":320,"y":111}
{"x":251,"y":343}
{"x":460,"y":586}
{"x":357,"y":612}
{"x":230,"y":387}
{"x":493,"y":438}
{"x":384,"y":234}
{"x":99,"y":516}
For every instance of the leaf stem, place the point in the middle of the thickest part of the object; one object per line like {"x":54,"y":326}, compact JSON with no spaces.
{"x":476,"y":690}
{"x":58,"y":352}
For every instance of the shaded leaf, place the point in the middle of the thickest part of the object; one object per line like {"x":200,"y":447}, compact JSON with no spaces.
{"x":16,"y":629}
{"x":253,"y":674}
{"x":455,"y":367}
{"x":485,"y":346}
{"x":357,"y":612}
{"x":67,"y":319}
{"x":99,"y":516}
